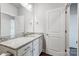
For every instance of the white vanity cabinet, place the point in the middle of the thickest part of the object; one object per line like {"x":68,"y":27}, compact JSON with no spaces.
{"x":24,"y":46}
{"x":23,"y":51}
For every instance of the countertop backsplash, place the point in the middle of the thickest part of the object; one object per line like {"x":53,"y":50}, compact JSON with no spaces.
{"x":5,"y":38}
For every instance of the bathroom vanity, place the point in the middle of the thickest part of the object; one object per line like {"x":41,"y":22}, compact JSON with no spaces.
{"x":30,"y":45}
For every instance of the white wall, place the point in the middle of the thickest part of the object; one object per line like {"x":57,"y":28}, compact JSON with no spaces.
{"x":19,"y":25}
{"x":8,"y":9}
{"x":0,"y":18}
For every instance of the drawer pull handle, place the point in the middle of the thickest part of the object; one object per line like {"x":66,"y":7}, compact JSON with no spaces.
{"x":27,"y":48}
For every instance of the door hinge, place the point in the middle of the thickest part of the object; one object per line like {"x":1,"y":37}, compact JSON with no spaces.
{"x":65,"y":50}
{"x":65,"y":31}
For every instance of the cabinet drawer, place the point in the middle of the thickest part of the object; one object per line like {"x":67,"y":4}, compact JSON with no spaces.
{"x":29,"y":53}
{"x":35,"y":42}
{"x":25,"y":49}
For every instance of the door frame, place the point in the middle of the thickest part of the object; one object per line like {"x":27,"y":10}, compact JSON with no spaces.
{"x":67,"y":19}
{"x":46,"y":33}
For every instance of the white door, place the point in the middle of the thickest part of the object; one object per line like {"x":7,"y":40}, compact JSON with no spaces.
{"x":55,"y":38}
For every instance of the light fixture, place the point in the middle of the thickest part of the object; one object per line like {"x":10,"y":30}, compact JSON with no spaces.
{"x":27,"y":6}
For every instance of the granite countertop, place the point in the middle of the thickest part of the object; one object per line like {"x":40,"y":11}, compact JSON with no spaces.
{"x":19,"y":42}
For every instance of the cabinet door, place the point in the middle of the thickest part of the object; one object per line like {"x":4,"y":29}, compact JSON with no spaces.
{"x":55,"y":42}
{"x":36,"y":50}
{"x":36,"y":47}
{"x":28,"y":53}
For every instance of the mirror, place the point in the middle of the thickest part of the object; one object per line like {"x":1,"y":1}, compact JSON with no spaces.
{"x":16,"y":20}
{"x":7,"y":26}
